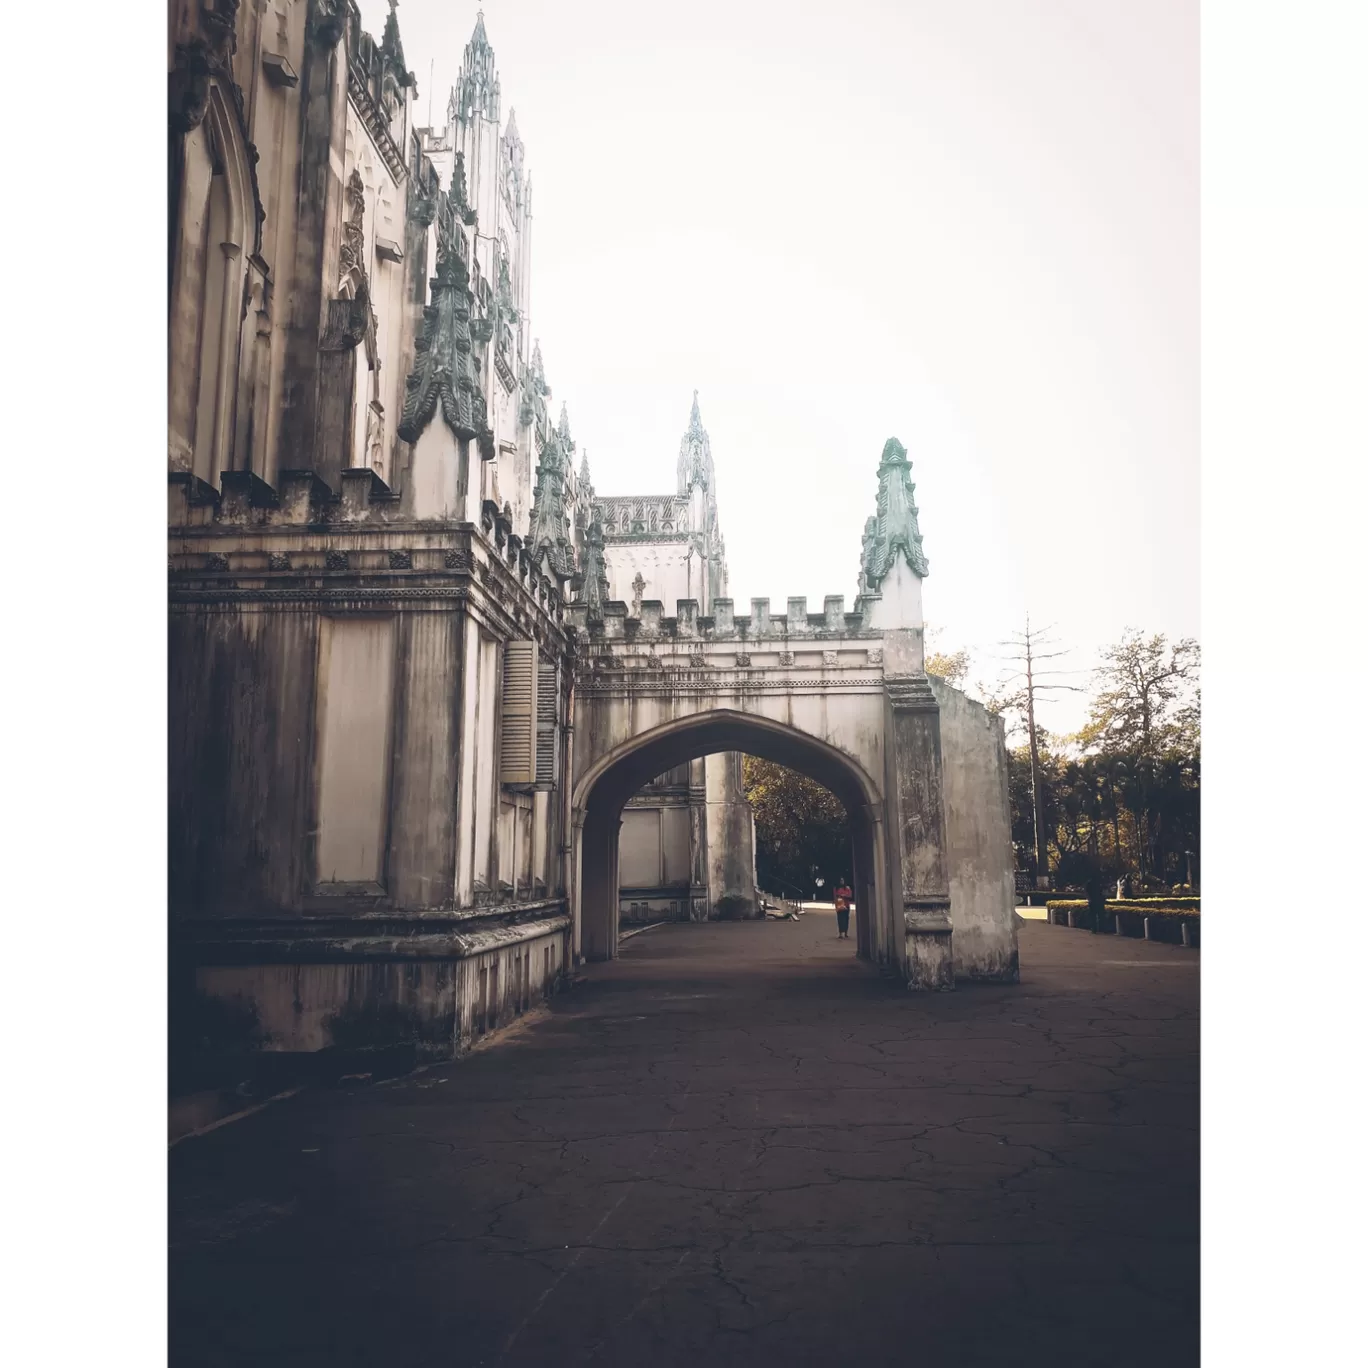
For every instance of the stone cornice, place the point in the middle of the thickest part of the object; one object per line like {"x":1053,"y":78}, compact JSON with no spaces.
{"x":373,"y":120}
{"x":725,"y":682}
{"x":911,"y":693}
{"x":618,"y":538}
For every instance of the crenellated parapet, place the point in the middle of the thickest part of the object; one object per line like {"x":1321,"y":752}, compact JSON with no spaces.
{"x":725,"y":624}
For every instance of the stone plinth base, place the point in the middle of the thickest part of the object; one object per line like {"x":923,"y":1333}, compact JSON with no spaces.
{"x":928,"y":957}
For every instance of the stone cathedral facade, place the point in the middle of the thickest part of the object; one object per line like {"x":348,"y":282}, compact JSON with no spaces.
{"x":375,"y":529}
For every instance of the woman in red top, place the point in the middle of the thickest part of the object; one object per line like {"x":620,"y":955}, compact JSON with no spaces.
{"x":843,"y":895}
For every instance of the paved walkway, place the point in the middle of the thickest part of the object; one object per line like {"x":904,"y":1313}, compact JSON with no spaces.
{"x":734,"y":1145}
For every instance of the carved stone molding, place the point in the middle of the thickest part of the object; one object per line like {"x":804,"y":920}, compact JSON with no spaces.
{"x":443,"y":372}
{"x":336,"y":560}
{"x":458,"y":560}
{"x":278,"y":560}
{"x":218,"y":561}
{"x":327,"y":20}
{"x":828,"y":658}
{"x":401,"y":560}
{"x":742,"y":661}
{"x":208,"y":54}
{"x":374,"y":119}
{"x":911,"y":693}
{"x":786,"y":657}
{"x":624,"y":684}
{"x":333,"y":597}
{"x":875,"y":656}
{"x":893,"y":531}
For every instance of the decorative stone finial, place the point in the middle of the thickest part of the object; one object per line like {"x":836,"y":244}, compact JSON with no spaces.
{"x":549,"y":532}
{"x":695,"y":454}
{"x":893,"y":531}
{"x":443,"y":370}
{"x":476,"y":91}
{"x":595,"y":576}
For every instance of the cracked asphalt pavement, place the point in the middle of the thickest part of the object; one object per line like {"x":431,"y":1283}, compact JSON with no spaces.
{"x":736,"y":1144}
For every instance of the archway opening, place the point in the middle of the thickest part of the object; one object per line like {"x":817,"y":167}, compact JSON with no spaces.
{"x":603,"y":793}
{"x":802,"y":833}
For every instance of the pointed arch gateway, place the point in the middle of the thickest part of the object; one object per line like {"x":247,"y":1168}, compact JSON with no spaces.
{"x":601,"y":793}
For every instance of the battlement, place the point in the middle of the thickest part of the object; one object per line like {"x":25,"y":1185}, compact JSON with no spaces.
{"x":725,"y":625}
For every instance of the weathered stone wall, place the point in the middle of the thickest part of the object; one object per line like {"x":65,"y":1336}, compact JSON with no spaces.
{"x":240,"y":761}
{"x":376,"y":994}
{"x":978,"y":836}
{"x":731,"y":849}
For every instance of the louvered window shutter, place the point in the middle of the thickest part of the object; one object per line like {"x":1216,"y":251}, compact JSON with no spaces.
{"x":547,"y":697}
{"x":516,"y":760}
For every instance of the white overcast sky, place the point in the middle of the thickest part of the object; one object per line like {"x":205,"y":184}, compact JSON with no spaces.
{"x":970,"y":224}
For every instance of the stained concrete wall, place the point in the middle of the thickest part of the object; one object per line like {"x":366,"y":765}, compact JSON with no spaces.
{"x":257,"y":797}
{"x":440,"y":1004}
{"x":240,"y":761}
{"x":978,"y":837}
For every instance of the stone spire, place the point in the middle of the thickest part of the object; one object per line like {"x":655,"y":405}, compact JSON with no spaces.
{"x":476,"y":92}
{"x":535,"y":391}
{"x":595,"y":591}
{"x":695,"y":454}
{"x":512,"y":156}
{"x":549,"y":532}
{"x":893,"y":531}
{"x":563,"y":429}
{"x":443,"y":370}
{"x":584,"y":503}
{"x":390,"y":46}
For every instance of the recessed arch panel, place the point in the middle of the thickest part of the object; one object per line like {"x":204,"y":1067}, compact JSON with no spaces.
{"x":612,"y":779}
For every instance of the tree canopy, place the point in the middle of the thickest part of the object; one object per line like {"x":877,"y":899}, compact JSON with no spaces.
{"x":1121,"y":797}
{"x":801,"y":829}
{"x":1124,"y":793}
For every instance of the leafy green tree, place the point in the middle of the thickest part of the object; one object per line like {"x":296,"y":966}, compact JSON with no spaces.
{"x":953,"y":668}
{"x":1144,"y":733}
{"x":800,"y":828}
{"x":1148,"y":701}
{"x":1122,"y":798}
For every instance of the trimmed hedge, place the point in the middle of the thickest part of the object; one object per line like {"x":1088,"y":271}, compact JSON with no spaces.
{"x":1151,"y":907}
{"x":1127,"y":918}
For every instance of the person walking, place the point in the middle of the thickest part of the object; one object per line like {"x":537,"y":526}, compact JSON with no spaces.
{"x":843,"y":895}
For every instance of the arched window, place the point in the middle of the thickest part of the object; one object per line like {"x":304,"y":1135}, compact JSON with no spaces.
{"x":216,"y":235}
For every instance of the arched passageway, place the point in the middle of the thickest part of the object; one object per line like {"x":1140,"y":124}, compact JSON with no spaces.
{"x":602,"y":793}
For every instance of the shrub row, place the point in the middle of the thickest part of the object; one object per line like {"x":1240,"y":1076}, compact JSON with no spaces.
{"x":1151,"y":907}
{"x":1128,"y":919}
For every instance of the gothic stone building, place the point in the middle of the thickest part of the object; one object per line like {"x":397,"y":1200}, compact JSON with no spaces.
{"x":388,"y":579}
{"x":688,"y":837}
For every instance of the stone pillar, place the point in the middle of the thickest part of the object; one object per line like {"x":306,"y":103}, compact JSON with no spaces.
{"x":318,"y":210}
{"x":699,"y":907}
{"x":422,"y":858}
{"x":915,"y":794}
{"x":335,"y":417}
{"x":575,"y":882}
{"x":599,"y":884}
{"x":730,"y":840}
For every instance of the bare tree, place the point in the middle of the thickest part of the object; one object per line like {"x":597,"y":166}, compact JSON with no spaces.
{"x":1017,"y":692}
